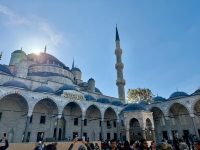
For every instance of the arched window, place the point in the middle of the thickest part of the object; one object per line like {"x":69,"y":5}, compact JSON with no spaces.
{"x":162,"y":121}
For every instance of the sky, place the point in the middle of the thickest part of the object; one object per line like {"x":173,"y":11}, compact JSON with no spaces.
{"x":160,"y":39}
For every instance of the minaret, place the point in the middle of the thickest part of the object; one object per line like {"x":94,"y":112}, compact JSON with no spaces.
{"x":73,"y":64}
{"x":120,"y":82}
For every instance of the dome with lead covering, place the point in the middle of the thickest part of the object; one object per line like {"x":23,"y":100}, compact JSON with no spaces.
{"x":143,"y":102}
{"x":117,"y":103}
{"x":158,"y":98}
{"x":16,"y":84}
{"x":97,"y":90}
{"x":4,"y":69}
{"x":19,"y":51}
{"x":103,"y":100}
{"x":134,"y":106}
{"x":178,"y":94}
{"x":75,"y":69}
{"x":89,"y":97}
{"x":44,"y":89}
{"x":65,"y":87}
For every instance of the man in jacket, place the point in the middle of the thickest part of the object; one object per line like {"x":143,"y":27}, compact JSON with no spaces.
{"x":6,"y":143}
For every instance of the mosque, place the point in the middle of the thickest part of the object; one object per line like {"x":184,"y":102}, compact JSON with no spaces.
{"x":43,"y":99}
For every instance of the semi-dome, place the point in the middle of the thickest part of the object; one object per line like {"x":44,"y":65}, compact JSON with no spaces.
{"x":91,"y":79}
{"x":158,"y":98}
{"x":89,"y":97}
{"x":103,"y":100}
{"x":44,"y":89}
{"x":134,"y":106}
{"x":178,"y":94}
{"x":19,"y":51}
{"x":15,"y":84}
{"x":143,"y":102}
{"x":4,"y":69}
{"x":75,"y":69}
{"x":97,"y":90}
{"x":117,"y":103}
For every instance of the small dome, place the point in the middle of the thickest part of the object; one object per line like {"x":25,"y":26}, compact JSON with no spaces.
{"x":159,"y":98}
{"x":3,"y":68}
{"x":44,"y":89}
{"x":103,"y":100}
{"x":89,"y":97}
{"x":91,"y":79}
{"x":178,"y":94}
{"x":97,"y":90}
{"x":65,"y":87}
{"x":68,"y":87}
{"x":75,"y":69}
{"x":134,"y":106}
{"x":117,"y":103}
{"x":143,"y":102}
{"x":15,"y":84}
{"x":197,"y":91}
{"x":19,"y":51}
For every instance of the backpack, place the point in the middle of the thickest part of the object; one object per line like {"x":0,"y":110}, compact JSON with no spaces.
{"x":49,"y":147}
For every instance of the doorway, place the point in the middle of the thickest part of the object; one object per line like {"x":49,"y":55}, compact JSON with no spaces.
{"x":59,"y":135}
{"x":40,"y":136}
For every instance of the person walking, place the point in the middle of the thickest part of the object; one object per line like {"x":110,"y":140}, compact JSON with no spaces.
{"x":43,"y":146}
{"x":153,"y":145}
{"x":183,"y":145}
{"x":143,"y":145}
{"x":132,"y":145}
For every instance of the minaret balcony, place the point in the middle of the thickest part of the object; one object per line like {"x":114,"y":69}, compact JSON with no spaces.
{"x":118,"y":51}
{"x":120,"y":82}
{"x":119,"y":66}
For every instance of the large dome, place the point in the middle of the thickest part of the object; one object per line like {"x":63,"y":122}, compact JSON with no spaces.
{"x":16,"y":84}
{"x":44,"y":58}
{"x":46,"y":74}
{"x":117,"y":103}
{"x":44,"y":89}
{"x":133,"y":107}
{"x":158,"y":98}
{"x":178,"y":94}
{"x":89,"y":97}
{"x":103,"y":100}
{"x":4,"y":69}
{"x":143,"y":102}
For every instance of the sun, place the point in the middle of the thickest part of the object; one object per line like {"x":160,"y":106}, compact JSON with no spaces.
{"x":37,"y":52}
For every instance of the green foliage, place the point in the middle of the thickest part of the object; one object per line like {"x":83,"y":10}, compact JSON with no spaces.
{"x":135,"y":95}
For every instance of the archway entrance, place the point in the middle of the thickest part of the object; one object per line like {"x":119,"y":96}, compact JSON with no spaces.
{"x":13,"y":113}
{"x":135,"y":130}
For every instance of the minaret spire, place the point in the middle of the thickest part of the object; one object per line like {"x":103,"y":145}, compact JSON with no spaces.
{"x":117,"y":34}
{"x":120,"y":82}
{"x":45,"y":49}
{"x":73,"y":63}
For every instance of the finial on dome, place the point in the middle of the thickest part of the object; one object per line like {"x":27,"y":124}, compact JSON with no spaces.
{"x":45,"y":49}
{"x":21,"y":49}
{"x":73,"y":63}
{"x":177,"y":89}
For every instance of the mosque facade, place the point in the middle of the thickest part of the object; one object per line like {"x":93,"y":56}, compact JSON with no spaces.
{"x":43,"y":99}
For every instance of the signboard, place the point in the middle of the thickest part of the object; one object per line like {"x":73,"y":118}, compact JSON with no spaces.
{"x":72,"y":95}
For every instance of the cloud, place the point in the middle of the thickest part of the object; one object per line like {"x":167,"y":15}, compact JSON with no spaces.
{"x":36,"y":22}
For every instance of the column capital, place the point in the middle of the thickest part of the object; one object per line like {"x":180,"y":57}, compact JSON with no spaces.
{"x":166,"y":118}
{"x":102,"y":119}
{"x":192,"y":115}
{"x":83,"y":118}
{"x":59,"y":116}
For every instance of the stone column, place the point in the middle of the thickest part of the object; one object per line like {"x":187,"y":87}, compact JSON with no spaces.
{"x":102,"y":134}
{"x":118,"y":130}
{"x":82,"y":125}
{"x":153,"y":134}
{"x":26,"y":128}
{"x":168,"y":126}
{"x":143,"y":133}
{"x":57,"y":127}
{"x":194,"y":124}
{"x":128,"y":134}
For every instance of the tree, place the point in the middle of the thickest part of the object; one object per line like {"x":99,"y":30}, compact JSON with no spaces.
{"x":135,"y":95}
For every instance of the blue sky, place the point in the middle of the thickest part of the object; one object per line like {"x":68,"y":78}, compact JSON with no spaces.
{"x":159,"y":39}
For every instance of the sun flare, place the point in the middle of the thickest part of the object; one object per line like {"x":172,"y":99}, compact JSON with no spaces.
{"x":37,"y":52}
